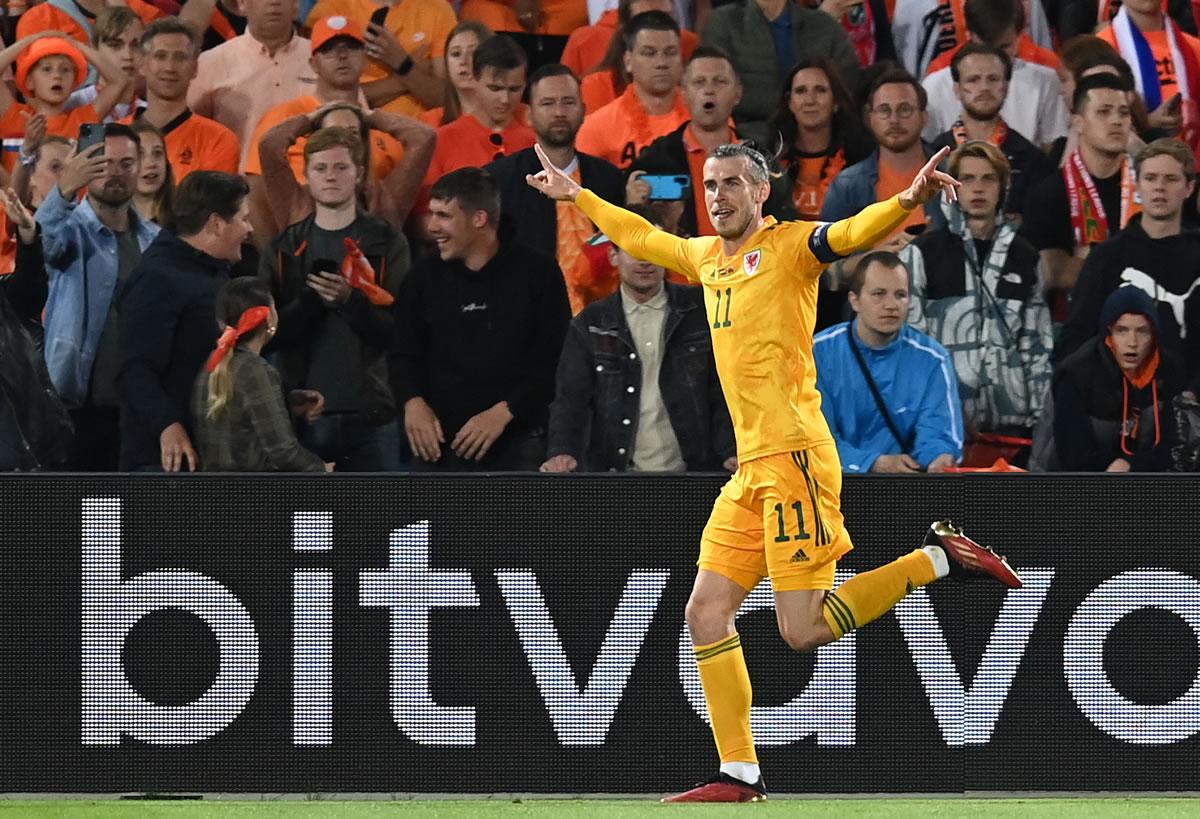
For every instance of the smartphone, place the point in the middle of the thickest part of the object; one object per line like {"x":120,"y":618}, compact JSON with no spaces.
{"x":667,"y":187}
{"x":90,"y":133}
{"x":379,"y":15}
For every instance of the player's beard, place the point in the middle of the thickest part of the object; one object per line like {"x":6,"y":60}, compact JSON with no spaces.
{"x":736,"y":226}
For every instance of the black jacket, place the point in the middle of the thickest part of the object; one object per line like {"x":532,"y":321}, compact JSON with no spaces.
{"x":167,"y":328}
{"x":667,"y":155}
{"x":470,"y":339}
{"x":301,"y":311}
{"x":535,"y":217}
{"x":599,"y":384}
{"x":1091,"y":401}
{"x":1167,"y":270}
{"x":35,"y":429}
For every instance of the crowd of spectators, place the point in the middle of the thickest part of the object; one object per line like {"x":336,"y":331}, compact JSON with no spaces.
{"x":287,"y":235}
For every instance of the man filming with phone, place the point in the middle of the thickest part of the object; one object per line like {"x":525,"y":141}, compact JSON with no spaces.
{"x":668,"y":175}
{"x":91,"y":246}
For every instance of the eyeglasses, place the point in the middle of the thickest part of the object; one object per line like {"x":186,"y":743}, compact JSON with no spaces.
{"x":903,"y":111}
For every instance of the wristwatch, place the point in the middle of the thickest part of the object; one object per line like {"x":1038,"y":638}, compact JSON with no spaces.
{"x":405,"y":66}
{"x":28,"y":160}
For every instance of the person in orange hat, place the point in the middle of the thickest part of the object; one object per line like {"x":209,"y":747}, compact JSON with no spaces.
{"x":405,"y":41}
{"x":49,"y":68}
{"x":339,"y":57}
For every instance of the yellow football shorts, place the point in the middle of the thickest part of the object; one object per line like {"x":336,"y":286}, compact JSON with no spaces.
{"x":779,"y":516}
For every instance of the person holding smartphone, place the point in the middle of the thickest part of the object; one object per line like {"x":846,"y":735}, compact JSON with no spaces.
{"x":405,"y":41}
{"x":92,"y":247}
{"x":671,"y":168}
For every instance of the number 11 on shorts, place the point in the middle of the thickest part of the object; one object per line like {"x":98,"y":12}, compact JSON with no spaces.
{"x":780,"y":517}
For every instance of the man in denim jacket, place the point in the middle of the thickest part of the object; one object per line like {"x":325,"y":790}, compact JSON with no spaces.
{"x":91,"y":248}
{"x":637,"y":388}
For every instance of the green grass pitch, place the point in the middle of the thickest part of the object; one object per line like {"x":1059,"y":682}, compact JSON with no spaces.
{"x":1019,"y":808}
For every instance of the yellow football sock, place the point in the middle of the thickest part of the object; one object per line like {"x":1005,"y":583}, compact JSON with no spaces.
{"x":868,"y":596}
{"x":727,"y":690}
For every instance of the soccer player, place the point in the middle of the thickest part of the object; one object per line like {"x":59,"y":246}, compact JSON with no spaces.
{"x":779,"y":515}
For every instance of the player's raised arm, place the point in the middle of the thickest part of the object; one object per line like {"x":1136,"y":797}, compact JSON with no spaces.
{"x":626,"y":230}
{"x":874,"y":223}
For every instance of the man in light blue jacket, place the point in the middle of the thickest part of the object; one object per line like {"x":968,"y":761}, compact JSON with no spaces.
{"x":91,"y":247}
{"x":888,"y":391}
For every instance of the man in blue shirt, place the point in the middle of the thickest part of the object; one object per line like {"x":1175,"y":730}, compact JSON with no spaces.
{"x":888,"y":391}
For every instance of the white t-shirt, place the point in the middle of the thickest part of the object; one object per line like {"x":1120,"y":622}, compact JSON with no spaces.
{"x":1034,"y":107}
{"x":917,"y":24}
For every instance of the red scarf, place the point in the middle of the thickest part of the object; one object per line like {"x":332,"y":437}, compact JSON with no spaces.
{"x":358,"y":271}
{"x":1089,"y":221}
{"x":229,"y":338}
{"x":859,"y":24}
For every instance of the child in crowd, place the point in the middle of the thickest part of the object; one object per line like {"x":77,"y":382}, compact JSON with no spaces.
{"x":117,"y":34}
{"x":49,"y":68}
{"x":242,"y":421}
{"x":156,"y":181}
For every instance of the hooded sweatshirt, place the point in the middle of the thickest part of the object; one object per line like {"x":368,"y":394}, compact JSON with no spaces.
{"x":1101,"y":414}
{"x":1167,"y":270}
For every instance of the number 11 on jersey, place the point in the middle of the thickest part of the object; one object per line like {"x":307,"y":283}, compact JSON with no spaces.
{"x":718,"y":323}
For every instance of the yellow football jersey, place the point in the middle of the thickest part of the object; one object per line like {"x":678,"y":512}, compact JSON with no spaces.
{"x":762,"y":306}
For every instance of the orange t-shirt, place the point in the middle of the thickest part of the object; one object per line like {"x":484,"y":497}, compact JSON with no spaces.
{"x":421,"y":28}
{"x":807,"y":190}
{"x":574,"y":229}
{"x":621,"y":130}
{"x":587,"y":46}
{"x":559,"y":17}
{"x":468,"y":143}
{"x":597,"y":90}
{"x":893,"y":181}
{"x":8,"y":245}
{"x":196,"y":143}
{"x":433,"y":117}
{"x":12,"y":128}
{"x":1027,"y":50}
{"x":386,"y":151}
{"x":1161,"y":49}
{"x":696,"y":155}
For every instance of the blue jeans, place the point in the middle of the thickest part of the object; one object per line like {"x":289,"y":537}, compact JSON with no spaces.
{"x":353,"y":445}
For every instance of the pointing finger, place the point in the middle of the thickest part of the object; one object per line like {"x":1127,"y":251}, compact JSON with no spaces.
{"x":936,"y":159}
{"x":545,"y":160}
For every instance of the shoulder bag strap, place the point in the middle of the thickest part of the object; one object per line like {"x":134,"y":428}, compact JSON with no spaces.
{"x":883,"y":410}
